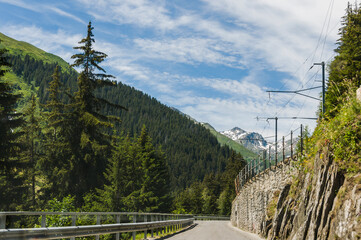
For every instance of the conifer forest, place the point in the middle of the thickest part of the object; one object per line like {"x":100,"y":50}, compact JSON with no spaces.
{"x":73,"y":138}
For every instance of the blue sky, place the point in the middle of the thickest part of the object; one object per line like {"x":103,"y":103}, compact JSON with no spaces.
{"x":211,"y":59}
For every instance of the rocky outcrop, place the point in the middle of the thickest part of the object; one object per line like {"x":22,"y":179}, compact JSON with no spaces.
{"x":324,"y":205}
{"x":319,"y":204}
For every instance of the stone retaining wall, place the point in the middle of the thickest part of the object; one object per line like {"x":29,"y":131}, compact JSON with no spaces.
{"x":249,"y":208}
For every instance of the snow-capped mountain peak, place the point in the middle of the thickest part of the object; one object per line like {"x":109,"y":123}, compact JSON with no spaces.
{"x":251,"y":140}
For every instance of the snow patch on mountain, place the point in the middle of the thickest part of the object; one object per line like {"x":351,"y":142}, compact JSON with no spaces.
{"x":251,"y":140}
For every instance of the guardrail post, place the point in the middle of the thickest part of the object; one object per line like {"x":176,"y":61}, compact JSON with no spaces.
{"x":301,"y":144}
{"x":283,"y":147}
{"x":152,"y":219}
{"x":256,"y":166}
{"x":134,"y":221}
{"x":98,"y":223}
{"x":171,"y":226}
{"x":264,"y":160}
{"x":43,"y":220}
{"x":162,"y":231}
{"x":276,"y":143}
{"x":145,"y":231}
{"x":73,"y":223}
{"x":269,"y":157}
{"x":2,"y":221}
{"x":117,"y":235}
{"x":177,"y":226}
{"x":251,"y":168}
{"x":246,"y":176}
{"x":167,"y":228}
{"x":157,"y":230}
{"x":291,"y":144}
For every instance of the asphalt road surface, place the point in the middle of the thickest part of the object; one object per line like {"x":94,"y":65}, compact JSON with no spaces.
{"x":213,"y":230}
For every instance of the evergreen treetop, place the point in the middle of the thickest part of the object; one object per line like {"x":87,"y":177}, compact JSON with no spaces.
{"x":345,"y":69}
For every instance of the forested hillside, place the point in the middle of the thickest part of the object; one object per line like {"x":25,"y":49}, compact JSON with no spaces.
{"x":191,"y":150}
{"x":224,"y":140}
{"x":100,"y":143}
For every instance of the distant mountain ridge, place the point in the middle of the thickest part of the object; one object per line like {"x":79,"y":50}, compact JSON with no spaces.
{"x":225,"y":140}
{"x":222,"y":139}
{"x":248,"y":144}
{"x":251,"y":140}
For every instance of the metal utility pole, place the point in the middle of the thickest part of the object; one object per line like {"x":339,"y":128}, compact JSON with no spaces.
{"x":276,"y":126}
{"x":276,"y":120}
{"x":302,"y":90}
{"x":323,"y":85}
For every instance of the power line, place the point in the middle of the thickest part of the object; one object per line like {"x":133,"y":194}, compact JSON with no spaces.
{"x":328,"y":25}
{"x":297,"y":92}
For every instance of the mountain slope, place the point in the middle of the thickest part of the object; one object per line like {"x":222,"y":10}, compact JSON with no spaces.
{"x":236,"y":146}
{"x":191,"y":150}
{"x":224,"y":140}
{"x":23,"y":48}
{"x":251,"y":140}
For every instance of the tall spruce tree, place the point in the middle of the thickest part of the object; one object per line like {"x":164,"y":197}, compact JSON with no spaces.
{"x":90,"y":143}
{"x":155,"y":190}
{"x":345,"y":69}
{"x":55,"y":164}
{"x":119,"y":177}
{"x":30,"y":153}
{"x":10,"y":185}
{"x":137,"y":178}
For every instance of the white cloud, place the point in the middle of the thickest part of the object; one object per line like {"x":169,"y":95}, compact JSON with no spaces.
{"x":187,"y":50}
{"x":139,"y":12}
{"x":284,"y":32}
{"x":276,"y":35}
{"x":259,"y":35}
{"x":57,"y":43}
{"x":22,"y":4}
{"x":41,"y":8}
{"x":65,"y":14}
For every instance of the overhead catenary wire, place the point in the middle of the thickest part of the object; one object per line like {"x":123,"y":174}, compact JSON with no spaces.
{"x":328,"y":25}
{"x":321,"y":42}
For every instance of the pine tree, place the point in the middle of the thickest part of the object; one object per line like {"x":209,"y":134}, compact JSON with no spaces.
{"x":210,"y":193}
{"x":154,"y":192}
{"x":345,"y":69}
{"x":90,"y":143}
{"x":234,"y":165}
{"x":30,"y":153}
{"x":119,"y":177}
{"x":55,"y":164}
{"x":9,"y":121}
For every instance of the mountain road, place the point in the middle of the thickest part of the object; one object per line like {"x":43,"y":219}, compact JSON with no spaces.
{"x":212,"y":230}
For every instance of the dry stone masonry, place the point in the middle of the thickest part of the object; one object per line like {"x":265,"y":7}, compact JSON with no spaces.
{"x":285,"y":203}
{"x":249,"y":208}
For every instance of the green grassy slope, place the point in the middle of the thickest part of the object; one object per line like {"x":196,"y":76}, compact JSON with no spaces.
{"x":20,"y":48}
{"x":23,"y":48}
{"x":223,"y":140}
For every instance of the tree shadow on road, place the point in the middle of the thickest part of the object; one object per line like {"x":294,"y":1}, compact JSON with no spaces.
{"x":176,"y":233}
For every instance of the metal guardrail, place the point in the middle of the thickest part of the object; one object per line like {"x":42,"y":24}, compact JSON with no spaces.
{"x":159,"y":222}
{"x":210,"y":218}
{"x":258,"y":166}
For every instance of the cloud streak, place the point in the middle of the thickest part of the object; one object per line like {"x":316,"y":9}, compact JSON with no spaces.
{"x":213,"y":60}
{"x":41,"y":8}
